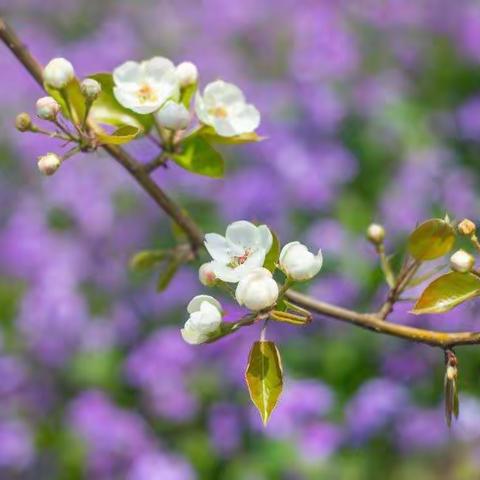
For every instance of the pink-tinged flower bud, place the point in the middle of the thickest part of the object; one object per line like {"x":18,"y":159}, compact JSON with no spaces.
{"x":47,"y":108}
{"x":48,"y":164}
{"x":462,"y":261}
{"x":58,"y":73}
{"x":187,"y":74}
{"x":257,"y":290}
{"x":23,"y":122}
{"x":91,"y":89}
{"x":466,"y":227}
{"x":206,"y":274}
{"x":375,"y":233}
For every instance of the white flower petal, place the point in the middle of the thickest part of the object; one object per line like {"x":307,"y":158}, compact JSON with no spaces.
{"x":223,"y":126}
{"x":156,"y":68}
{"x":225,"y":273}
{"x":242,"y":233}
{"x":191,"y":336}
{"x":128,"y":72}
{"x":223,"y":93}
{"x":266,"y":237}
{"x":245,"y":121}
{"x":196,"y":302}
{"x":201,"y":110}
{"x":218,"y":247}
{"x":286,"y":248}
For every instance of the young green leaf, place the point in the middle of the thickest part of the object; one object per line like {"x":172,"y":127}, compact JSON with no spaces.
{"x":70,"y":99}
{"x":264,"y":377}
{"x":272,"y":256}
{"x":147,"y":259}
{"x":447,"y":292}
{"x":107,"y":110}
{"x":187,"y":94}
{"x":432,"y":239}
{"x":124,"y":134}
{"x":198,"y":156}
{"x":166,"y":276}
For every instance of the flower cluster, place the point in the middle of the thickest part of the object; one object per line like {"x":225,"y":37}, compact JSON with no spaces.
{"x":249,"y":256}
{"x":157,"y":86}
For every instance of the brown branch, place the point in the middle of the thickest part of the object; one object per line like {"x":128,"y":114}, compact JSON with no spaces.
{"x":374,"y":322}
{"x":363,"y":320}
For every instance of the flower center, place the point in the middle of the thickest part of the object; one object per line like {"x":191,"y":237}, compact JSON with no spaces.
{"x":219,"y":112}
{"x":146,"y":93}
{"x":240,"y":260}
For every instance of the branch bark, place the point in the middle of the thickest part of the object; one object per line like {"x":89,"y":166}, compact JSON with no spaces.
{"x":373,"y":322}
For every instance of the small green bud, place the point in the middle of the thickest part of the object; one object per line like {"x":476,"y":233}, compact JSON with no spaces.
{"x":90,"y":89}
{"x":23,"y":122}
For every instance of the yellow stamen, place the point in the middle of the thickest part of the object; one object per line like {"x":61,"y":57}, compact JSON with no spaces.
{"x":146,"y":93}
{"x":219,"y":112}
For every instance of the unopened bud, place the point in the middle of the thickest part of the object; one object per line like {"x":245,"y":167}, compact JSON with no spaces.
{"x":90,"y":89}
{"x":23,"y":122}
{"x":173,"y":116}
{"x":206,"y":275}
{"x":466,"y":227}
{"x":48,"y":164}
{"x":187,"y":74}
{"x":375,"y":233}
{"x":58,"y":73}
{"x":47,"y":108}
{"x":461,"y":261}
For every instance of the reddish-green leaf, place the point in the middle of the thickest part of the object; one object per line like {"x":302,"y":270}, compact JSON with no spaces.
{"x":447,"y":292}
{"x":432,"y":239}
{"x":264,"y":377}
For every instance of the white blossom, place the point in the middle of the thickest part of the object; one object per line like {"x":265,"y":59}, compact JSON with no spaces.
{"x":48,"y":164}
{"x":462,"y":261}
{"x":187,"y":73}
{"x":58,"y":73}
{"x":47,"y":108}
{"x":243,"y":248}
{"x":207,"y":275}
{"x":144,"y":87}
{"x":173,"y":116}
{"x":257,"y":290}
{"x":205,"y":317}
{"x":298,"y":263}
{"x":224,"y":108}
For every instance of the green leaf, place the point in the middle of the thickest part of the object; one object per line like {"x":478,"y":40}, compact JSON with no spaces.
{"x":264,"y":377}
{"x":107,"y":110}
{"x":166,"y":276}
{"x":198,"y":156}
{"x":122,"y":135}
{"x":271,"y":259}
{"x":432,"y":239}
{"x":71,"y":100}
{"x":212,"y":136}
{"x":187,"y":94}
{"x":147,"y":259}
{"x":447,"y":292}
{"x":291,"y":318}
